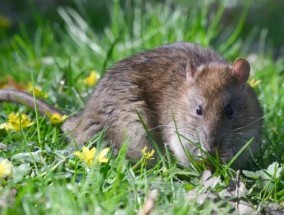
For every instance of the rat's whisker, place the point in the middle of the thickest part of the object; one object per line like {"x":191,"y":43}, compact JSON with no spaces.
{"x":255,"y":121}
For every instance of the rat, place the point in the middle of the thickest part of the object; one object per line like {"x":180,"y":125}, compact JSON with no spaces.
{"x":187,"y":97}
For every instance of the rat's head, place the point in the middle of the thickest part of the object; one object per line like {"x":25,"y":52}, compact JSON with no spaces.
{"x":222,"y":110}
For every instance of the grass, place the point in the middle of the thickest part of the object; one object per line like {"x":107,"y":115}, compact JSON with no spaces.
{"x":48,"y":178}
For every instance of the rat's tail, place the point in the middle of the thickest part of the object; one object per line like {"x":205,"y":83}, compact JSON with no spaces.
{"x":27,"y":99}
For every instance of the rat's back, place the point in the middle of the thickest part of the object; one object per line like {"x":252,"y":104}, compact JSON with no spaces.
{"x":134,"y":90}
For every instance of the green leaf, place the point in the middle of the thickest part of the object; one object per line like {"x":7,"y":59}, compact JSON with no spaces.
{"x":29,"y":157}
{"x":20,"y":172}
{"x":250,"y":174}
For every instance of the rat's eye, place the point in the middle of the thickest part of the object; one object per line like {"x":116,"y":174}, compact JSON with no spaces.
{"x":229,"y":110}
{"x":199,"y":110}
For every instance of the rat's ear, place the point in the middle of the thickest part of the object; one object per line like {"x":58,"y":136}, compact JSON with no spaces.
{"x":241,"y":70}
{"x":190,"y":71}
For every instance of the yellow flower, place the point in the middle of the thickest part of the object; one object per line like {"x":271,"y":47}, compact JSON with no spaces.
{"x":91,"y":80}
{"x":147,"y":155}
{"x":56,"y":118}
{"x":36,"y":90}
{"x":101,"y":158}
{"x":17,"y":121}
{"x":89,"y":156}
{"x":254,"y":82}
{"x":6,"y":168}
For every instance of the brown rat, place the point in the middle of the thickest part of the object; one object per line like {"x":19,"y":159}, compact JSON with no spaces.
{"x":188,"y":96}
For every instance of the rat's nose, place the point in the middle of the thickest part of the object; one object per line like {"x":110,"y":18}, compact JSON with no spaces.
{"x":212,"y":145}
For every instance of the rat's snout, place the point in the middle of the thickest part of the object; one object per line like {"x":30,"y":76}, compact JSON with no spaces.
{"x":212,"y":145}
{"x":211,"y":139}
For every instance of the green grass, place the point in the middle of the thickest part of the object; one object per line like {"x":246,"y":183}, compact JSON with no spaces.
{"x":49,"y":179}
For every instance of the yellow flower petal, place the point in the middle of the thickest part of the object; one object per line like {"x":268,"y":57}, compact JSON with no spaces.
{"x":79,"y":155}
{"x":17,"y":121}
{"x":12,"y":117}
{"x":144,"y":149}
{"x":6,"y":168}
{"x":85,"y":149}
{"x":254,"y":82}
{"x":91,"y":80}
{"x":147,"y":154}
{"x":89,"y":156}
{"x":102,"y":156}
{"x":56,"y":118}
